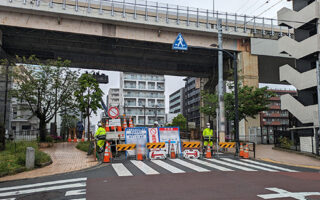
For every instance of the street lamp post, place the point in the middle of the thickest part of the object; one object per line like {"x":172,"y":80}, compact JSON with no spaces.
{"x":236,"y":102}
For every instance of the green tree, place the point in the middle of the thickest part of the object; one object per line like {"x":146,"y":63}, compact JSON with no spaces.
{"x":88,"y":95}
{"x":210,"y":104}
{"x":251,"y":101}
{"x":45,"y":87}
{"x":180,"y":121}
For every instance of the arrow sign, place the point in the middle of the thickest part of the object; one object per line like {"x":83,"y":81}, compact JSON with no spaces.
{"x":179,"y":43}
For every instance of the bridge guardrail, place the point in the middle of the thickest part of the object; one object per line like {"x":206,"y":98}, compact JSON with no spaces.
{"x":189,"y":16}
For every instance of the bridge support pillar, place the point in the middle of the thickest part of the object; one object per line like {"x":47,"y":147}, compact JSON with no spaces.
{"x":249,"y":73}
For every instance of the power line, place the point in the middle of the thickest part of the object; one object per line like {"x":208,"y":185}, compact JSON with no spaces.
{"x":269,"y":8}
{"x":242,"y":6}
{"x":262,"y":5}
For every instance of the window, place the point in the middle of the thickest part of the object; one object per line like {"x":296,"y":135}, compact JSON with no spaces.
{"x":26,"y":127}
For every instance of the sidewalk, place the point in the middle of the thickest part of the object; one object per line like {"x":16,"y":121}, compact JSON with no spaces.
{"x":266,"y":153}
{"x":65,"y":157}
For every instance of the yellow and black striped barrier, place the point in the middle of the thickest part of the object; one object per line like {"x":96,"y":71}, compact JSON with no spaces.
{"x":191,"y":144}
{"x":125,"y":147}
{"x":227,"y":144}
{"x":157,"y":145}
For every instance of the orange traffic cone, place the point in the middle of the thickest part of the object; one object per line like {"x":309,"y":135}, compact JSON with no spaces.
{"x":75,"y":137}
{"x":130,"y":123}
{"x":107,"y":156}
{"x":172,"y":151}
{"x":139,"y":153}
{"x":107,"y":126}
{"x":241,"y":150}
{"x":82,"y":139}
{"x":246,"y":152}
{"x":208,"y":153}
{"x":124,"y":125}
{"x":112,"y":128}
{"x":69,"y":137}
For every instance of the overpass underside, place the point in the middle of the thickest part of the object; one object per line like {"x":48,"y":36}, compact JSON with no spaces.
{"x":104,"y":53}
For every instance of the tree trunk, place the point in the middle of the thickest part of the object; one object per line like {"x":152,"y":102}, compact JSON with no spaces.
{"x":89,"y":135}
{"x":42,"y":129}
{"x":2,"y":138}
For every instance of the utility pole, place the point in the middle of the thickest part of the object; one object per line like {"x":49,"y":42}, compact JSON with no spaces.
{"x":220,"y":85}
{"x":316,"y":134}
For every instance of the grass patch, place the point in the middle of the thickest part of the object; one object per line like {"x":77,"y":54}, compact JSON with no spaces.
{"x":83,"y":146}
{"x":12,"y":160}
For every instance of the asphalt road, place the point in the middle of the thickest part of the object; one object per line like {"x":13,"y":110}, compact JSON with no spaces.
{"x":219,"y":178}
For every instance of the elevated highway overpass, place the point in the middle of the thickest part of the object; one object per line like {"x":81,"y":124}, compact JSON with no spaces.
{"x":135,"y":36}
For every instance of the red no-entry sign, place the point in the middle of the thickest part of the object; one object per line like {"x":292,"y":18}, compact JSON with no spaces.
{"x":113,"y":112}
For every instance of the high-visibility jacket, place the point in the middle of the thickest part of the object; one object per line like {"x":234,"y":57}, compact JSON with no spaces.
{"x":100,"y":131}
{"x":207,"y":132}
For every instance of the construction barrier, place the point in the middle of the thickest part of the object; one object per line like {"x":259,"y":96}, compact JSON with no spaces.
{"x":191,"y":144}
{"x":125,"y":147}
{"x":227,"y":144}
{"x":157,"y":145}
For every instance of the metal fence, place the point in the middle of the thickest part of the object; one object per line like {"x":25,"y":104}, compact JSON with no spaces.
{"x":168,"y":13}
{"x":25,"y":135}
{"x":279,"y":137}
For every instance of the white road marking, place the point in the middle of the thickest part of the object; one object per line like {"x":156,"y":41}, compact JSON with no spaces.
{"x":43,"y":189}
{"x":284,"y":194}
{"x":42,"y":184}
{"x":121,"y":170}
{"x":75,"y":192}
{"x":79,"y":199}
{"x":267,"y":165}
{"x":143,"y":167}
{"x":231,"y":165}
{"x":9,"y":199}
{"x":190,"y":165}
{"x":250,"y":165}
{"x":211,"y":165}
{"x":167,"y":166}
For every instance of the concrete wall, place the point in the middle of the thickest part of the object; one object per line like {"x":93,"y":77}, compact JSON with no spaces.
{"x":306,"y":144}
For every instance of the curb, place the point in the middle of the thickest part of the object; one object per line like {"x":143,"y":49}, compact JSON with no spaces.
{"x":297,"y":152}
{"x":289,"y":164}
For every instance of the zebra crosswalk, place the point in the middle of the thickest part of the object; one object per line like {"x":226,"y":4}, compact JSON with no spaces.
{"x":152,"y":167}
{"x":72,"y":189}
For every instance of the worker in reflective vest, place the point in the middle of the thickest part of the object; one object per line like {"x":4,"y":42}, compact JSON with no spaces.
{"x":100,"y":137}
{"x":208,"y":136}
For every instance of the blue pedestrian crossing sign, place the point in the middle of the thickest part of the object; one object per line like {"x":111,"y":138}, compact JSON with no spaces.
{"x":179,"y":43}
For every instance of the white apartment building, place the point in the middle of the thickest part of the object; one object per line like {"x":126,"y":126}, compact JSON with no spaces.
{"x":113,"y":98}
{"x":142,"y":98}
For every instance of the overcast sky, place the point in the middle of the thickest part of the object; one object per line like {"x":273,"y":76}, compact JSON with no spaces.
{"x":262,"y":8}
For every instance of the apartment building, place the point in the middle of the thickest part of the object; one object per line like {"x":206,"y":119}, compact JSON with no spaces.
{"x":176,"y":101}
{"x":192,"y":100}
{"x":274,"y":118}
{"x":142,"y":98}
{"x":113,"y":97}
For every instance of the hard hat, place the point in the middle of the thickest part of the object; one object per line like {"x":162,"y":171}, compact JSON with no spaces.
{"x":99,"y":124}
{"x":156,"y":122}
{"x":208,"y":124}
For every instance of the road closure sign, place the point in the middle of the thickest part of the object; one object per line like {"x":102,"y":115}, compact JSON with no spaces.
{"x":171,"y":134}
{"x":136,"y":136}
{"x":153,"y":135}
{"x":113,"y":112}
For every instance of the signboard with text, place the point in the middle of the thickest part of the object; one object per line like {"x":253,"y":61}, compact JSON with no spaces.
{"x":136,"y":136}
{"x":172,"y":135}
{"x":153,"y":135}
